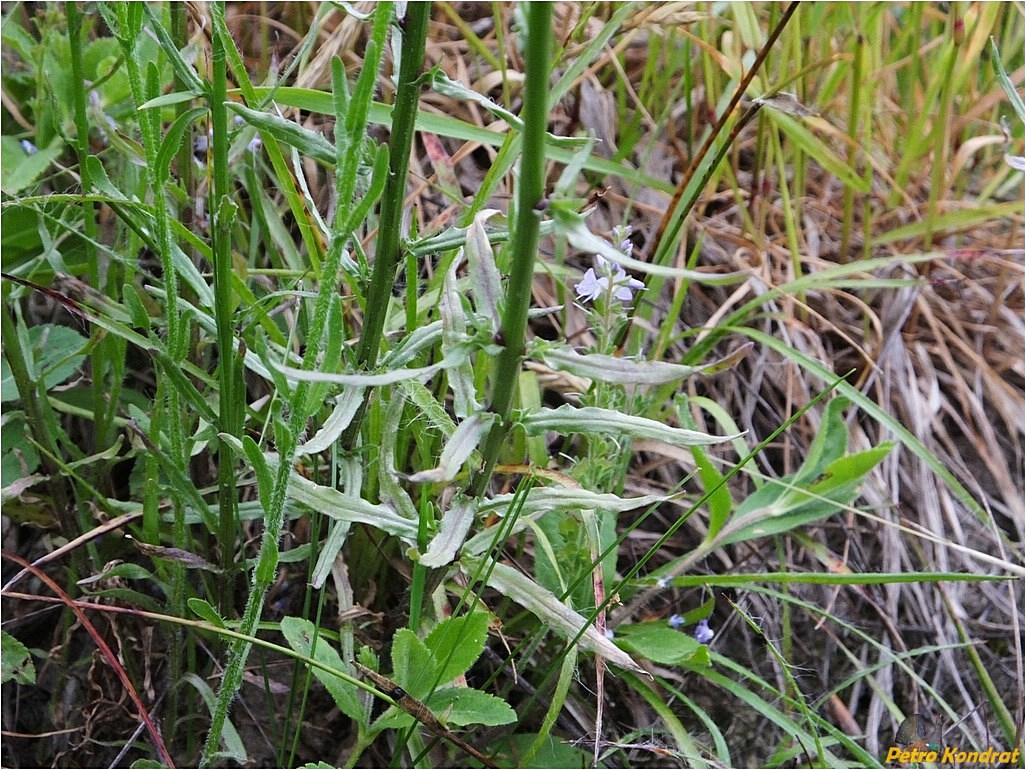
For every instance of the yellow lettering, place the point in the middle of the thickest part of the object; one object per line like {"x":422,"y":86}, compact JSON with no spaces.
{"x":949,"y":755}
{"x":893,"y":753}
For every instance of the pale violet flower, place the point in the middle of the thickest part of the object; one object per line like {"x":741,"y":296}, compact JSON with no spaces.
{"x":676,"y":621}
{"x":703,"y":633}
{"x":610,"y":280}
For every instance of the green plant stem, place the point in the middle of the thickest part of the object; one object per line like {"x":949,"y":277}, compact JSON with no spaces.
{"x":290,"y":423}
{"x":101,"y":426}
{"x":228,"y":397}
{"x":387,"y":252}
{"x":156,"y":178}
{"x":524,"y":246}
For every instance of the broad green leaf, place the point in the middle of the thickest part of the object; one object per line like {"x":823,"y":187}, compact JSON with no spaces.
{"x":15,"y":661}
{"x":549,"y":751}
{"x":56,"y":355}
{"x":466,"y":706}
{"x":798,"y":507}
{"x":660,"y":643}
{"x":299,"y":633}
{"x":829,"y":444}
{"x":720,"y":502}
{"x":415,"y":669}
{"x":203,"y":609}
{"x":456,"y":643}
{"x":19,"y":169}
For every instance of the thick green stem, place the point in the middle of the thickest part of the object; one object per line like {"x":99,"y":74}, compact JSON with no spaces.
{"x":524,"y":246}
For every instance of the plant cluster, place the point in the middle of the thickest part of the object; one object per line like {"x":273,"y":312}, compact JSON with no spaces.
{"x":370,"y":373}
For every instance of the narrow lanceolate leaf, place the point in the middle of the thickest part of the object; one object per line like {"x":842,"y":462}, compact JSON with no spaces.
{"x":361,"y":380}
{"x":346,"y":406}
{"x":309,"y":143}
{"x":590,"y":419}
{"x":485,"y":281}
{"x":454,"y":330}
{"x":626,"y":371}
{"x":458,"y":449}
{"x":571,"y":224}
{"x":453,"y":531}
{"x":337,"y":505}
{"x":549,"y":610}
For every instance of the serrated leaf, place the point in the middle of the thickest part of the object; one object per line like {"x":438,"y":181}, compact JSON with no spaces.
{"x":456,"y":643}
{"x":299,"y":633}
{"x":412,"y":663}
{"x":466,"y":706}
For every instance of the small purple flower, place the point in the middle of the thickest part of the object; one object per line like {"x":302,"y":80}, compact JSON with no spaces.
{"x":611,"y":279}
{"x":703,"y":633}
{"x":676,"y":621}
